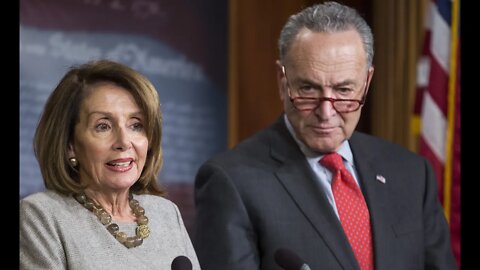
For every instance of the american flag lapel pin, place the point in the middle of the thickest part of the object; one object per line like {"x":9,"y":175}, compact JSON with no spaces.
{"x":381,"y":178}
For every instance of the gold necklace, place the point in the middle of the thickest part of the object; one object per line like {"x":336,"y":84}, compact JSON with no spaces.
{"x":105,"y":218}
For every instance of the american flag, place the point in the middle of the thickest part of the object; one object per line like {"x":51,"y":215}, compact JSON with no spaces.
{"x":437,"y":106}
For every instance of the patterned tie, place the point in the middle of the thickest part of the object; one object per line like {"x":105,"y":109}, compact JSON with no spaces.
{"x":352,"y":210}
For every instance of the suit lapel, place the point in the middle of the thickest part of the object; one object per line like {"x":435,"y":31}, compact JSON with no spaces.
{"x":297,"y":178}
{"x":375,"y":193}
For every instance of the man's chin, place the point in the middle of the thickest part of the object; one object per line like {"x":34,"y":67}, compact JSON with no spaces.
{"x":324,"y":146}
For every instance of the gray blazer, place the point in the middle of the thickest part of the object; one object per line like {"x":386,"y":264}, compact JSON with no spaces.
{"x":262,"y":195}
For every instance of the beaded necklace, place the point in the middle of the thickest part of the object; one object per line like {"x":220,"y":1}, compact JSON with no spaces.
{"x":142,"y":231}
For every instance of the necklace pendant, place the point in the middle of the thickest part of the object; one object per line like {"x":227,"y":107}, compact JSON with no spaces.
{"x":143,"y":231}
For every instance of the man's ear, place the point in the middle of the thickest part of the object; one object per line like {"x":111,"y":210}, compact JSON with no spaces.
{"x":280,"y":70}
{"x":370,"y":76}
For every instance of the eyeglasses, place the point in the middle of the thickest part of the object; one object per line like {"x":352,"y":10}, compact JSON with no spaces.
{"x":309,"y":103}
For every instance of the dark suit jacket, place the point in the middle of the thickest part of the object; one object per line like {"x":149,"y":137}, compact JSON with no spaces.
{"x":262,"y":195}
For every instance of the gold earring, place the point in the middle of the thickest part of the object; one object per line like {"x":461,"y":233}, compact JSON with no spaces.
{"x":73,"y":161}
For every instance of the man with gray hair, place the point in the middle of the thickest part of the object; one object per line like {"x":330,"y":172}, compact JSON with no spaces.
{"x":310,"y":191}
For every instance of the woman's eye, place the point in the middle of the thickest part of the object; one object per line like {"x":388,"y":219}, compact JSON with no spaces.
{"x":102,"y":127}
{"x":137,"y":126}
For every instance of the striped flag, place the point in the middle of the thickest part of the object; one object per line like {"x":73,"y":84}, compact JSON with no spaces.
{"x":437,"y":107}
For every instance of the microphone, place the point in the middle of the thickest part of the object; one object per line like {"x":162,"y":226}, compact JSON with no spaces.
{"x":289,"y":260}
{"x":181,"y":263}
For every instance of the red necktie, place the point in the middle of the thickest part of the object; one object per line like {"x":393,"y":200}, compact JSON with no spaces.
{"x":352,"y":210}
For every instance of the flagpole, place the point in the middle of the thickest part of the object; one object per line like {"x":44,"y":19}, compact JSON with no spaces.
{"x":451,"y":110}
